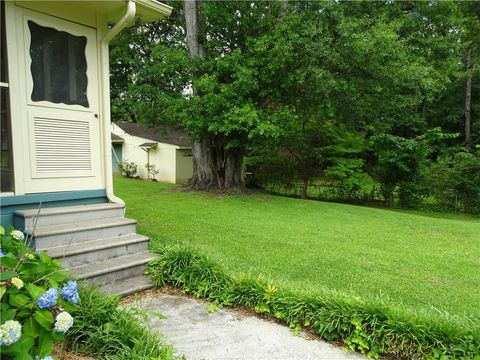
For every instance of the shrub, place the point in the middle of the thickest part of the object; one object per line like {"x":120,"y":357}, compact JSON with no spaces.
{"x":36,"y":299}
{"x":372,"y":327}
{"x":455,"y":179}
{"x":152,"y":170}
{"x":103,"y":328}
{"x":127,"y":169}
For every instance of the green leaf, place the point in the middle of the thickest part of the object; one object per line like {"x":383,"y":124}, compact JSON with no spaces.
{"x":58,"y":336}
{"x":44,"y":318}
{"x":23,"y":356}
{"x":19,"y":300}
{"x":159,"y":315}
{"x":7,"y":314}
{"x":3,"y":290}
{"x":44,"y":258}
{"x":45,"y":344}
{"x":57,"y":276}
{"x":2,"y":230}
{"x":24,"y":313}
{"x":9,"y":261}
{"x":20,"y":348}
{"x":34,"y":291}
{"x":7,"y":275}
{"x":107,"y":327}
{"x":31,"y":327}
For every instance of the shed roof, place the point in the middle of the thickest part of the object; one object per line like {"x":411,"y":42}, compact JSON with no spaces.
{"x":148,"y":145}
{"x":163,"y":134}
{"x":116,"y":139}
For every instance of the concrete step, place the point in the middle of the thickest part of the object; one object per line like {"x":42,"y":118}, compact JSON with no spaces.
{"x":64,"y":234}
{"x":127,"y":286}
{"x":91,"y":251}
{"x":69,"y":214}
{"x":112,"y":270}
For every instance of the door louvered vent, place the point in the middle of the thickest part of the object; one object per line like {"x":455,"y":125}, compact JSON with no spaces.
{"x":62,"y":146}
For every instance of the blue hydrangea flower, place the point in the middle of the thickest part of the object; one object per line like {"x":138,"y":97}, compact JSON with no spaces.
{"x":70,"y":292}
{"x":10,"y":332}
{"x":2,"y":254}
{"x":47,"y":300}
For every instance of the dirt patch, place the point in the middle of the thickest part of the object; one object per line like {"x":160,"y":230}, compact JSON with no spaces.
{"x":59,"y":352}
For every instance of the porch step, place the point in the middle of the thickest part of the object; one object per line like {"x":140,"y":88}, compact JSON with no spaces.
{"x":113,"y":270}
{"x":91,"y":251}
{"x":70,"y":214}
{"x":64,"y":234}
{"x":95,"y":242}
{"x":127,"y":286}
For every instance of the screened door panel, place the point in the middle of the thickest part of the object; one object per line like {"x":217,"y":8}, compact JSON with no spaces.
{"x":59,"y":57}
{"x":58,"y":66}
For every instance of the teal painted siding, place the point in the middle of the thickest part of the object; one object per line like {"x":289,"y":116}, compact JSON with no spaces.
{"x":10,"y":204}
{"x":116,"y":154}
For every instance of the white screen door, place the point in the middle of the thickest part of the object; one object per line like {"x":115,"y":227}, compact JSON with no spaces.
{"x":61,"y":104}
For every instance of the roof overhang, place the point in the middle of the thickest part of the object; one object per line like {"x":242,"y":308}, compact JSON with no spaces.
{"x":148,"y":145}
{"x":146,"y":12}
{"x":112,"y":10}
{"x":151,"y":10}
{"x":116,"y":139}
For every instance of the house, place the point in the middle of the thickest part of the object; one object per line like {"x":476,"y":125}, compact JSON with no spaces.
{"x":167,"y":148}
{"x":55,"y":134}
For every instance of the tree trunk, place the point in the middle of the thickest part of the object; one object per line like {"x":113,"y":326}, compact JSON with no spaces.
{"x":468,"y":99}
{"x":191,"y":9}
{"x":234,"y":169}
{"x":203,"y":176}
{"x":214,"y":168}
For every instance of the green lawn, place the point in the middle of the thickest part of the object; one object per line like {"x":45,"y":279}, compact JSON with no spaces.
{"x":424,"y":262}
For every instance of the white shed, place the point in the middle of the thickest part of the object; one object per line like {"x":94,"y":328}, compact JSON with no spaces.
{"x":167,"y":148}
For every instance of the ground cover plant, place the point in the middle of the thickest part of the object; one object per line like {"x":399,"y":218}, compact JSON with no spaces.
{"x":371,"y":327}
{"x":424,"y":262}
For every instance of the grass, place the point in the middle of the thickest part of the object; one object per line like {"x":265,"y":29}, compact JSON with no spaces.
{"x":423,"y":263}
{"x":371,"y":327}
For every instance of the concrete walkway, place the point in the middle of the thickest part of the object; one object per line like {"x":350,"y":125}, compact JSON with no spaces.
{"x":228,"y":334}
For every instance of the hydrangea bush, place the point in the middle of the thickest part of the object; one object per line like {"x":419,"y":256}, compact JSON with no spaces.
{"x":36,"y":298}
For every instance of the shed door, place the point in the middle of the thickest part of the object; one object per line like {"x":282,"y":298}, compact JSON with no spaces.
{"x":61,"y":104}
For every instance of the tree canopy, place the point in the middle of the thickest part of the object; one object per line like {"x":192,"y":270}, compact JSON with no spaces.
{"x":308,"y":90}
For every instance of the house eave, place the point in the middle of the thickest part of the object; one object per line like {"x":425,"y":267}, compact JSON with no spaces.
{"x":151,"y":10}
{"x":112,"y":10}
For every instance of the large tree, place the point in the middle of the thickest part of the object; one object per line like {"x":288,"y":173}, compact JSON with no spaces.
{"x":292,"y":80}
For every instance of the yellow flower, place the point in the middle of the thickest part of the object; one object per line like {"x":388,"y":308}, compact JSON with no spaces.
{"x":30,"y":256}
{"x":17,"y":282}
